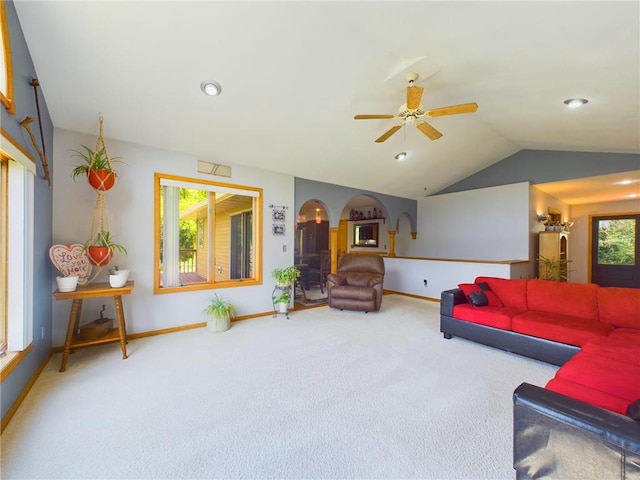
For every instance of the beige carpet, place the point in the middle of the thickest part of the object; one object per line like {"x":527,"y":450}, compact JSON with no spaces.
{"x":323,"y":395}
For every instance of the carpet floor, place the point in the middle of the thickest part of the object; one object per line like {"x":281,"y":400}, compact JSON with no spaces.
{"x":323,"y":395}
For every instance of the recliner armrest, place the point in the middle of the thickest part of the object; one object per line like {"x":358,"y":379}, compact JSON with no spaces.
{"x":336,"y":279}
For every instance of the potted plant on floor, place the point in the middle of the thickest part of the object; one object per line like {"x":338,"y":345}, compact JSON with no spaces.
{"x":281,"y":301}
{"x":285,"y":277}
{"x":97,"y":167}
{"x":100,"y":249}
{"x":220,"y":312}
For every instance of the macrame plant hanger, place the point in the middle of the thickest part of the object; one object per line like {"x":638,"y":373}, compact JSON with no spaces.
{"x":100,"y":221}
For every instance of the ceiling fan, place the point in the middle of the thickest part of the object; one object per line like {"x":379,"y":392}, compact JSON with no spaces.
{"x":413,"y":110}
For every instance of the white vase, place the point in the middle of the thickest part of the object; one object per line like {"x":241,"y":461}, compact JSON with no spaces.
{"x":283,"y":307}
{"x":67,"y":284}
{"x":117,"y":281}
{"x":217,"y":324}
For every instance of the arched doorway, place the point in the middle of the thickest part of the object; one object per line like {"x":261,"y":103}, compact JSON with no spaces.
{"x":311,"y":247}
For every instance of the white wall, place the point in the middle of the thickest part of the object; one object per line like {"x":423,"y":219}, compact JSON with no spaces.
{"x":130,"y":205}
{"x":579,"y":237}
{"x":484,"y":224}
{"x":407,"y":275}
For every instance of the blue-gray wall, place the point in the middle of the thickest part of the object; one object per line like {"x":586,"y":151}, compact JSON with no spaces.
{"x":541,"y":166}
{"x":23,"y":72}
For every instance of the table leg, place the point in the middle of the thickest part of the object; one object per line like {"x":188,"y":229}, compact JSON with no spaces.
{"x":122,"y":331}
{"x":74,"y":319}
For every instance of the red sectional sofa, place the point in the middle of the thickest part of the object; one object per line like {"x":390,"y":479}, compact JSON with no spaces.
{"x":593,"y":334}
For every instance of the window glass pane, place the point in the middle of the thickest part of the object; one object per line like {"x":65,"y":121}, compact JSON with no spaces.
{"x":616,"y":241}
{"x":206,"y":233}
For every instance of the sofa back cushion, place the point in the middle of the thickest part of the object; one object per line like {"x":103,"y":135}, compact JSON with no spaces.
{"x":620,"y":306}
{"x":511,"y":292}
{"x":578,"y":300}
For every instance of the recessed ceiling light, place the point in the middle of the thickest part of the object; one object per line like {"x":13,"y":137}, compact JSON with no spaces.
{"x":401,"y":156}
{"x":209,"y":87}
{"x":625,"y":182}
{"x":575,"y":102}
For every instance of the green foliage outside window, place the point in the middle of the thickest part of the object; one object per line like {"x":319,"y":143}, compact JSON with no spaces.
{"x":616,"y":242}
{"x":189,"y":228}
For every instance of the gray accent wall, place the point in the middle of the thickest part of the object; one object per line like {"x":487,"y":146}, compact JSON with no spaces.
{"x":23,"y":71}
{"x":541,"y":166}
{"x":336,"y":197}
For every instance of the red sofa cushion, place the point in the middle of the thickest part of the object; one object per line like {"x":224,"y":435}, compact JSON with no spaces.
{"x":497,"y":317}
{"x":631,"y":334}
{"x":588,"y":395}
{"x":559,"y":328}
{"x":620,"y":306}
{"x":511,"y":292}
{"x":603,"y":374}
{"x":621,"y":348}
{"x":469,"y":288}
{"x":572,"y":299}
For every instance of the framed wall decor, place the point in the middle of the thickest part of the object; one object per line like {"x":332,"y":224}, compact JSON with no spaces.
{"x":278,"y":216}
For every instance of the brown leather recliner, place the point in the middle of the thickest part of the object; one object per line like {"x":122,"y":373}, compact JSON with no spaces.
{"x":358,"y":283}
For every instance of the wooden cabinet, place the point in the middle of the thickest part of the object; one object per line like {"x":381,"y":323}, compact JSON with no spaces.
{"x":553,"y":255}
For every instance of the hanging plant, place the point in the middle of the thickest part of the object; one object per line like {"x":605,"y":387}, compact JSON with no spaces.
{"x":97,"y":167}
{"x":100,"y":249}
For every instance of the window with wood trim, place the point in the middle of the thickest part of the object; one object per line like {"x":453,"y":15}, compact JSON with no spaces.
{"x":3,"y":254}
{"x":16,"y":245}
{"x":6,"y":75}
{"x":207,"y":234}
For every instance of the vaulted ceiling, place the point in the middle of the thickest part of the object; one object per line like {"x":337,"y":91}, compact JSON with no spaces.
{"x":294,"y":74}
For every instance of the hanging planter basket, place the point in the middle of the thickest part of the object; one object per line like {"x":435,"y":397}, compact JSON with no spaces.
{"x":99,"y":256}
{"x":101,"y":180}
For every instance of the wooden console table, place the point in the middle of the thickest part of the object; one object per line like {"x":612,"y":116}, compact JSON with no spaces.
{"x":94,"y":290}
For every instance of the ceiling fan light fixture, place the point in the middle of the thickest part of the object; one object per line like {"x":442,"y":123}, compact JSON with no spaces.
{"x":401,"y":156}
{"x":211,"y":88}
{"x":575,"y":102}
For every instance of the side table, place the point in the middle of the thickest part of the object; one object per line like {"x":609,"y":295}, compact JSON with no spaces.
{"x":94,"y":290}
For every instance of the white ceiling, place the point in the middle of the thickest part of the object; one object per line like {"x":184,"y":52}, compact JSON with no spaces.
{"x":295,"y":73}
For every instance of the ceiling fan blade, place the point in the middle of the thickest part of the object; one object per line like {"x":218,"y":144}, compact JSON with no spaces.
{"x":388,"y":133}
{"x":373,"y":117}
{"x":414,"y":96}
{"x":428,"y":130}
{"x":453,"y":110}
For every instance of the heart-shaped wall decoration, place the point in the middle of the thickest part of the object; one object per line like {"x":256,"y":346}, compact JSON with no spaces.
{"x":71,"y":260}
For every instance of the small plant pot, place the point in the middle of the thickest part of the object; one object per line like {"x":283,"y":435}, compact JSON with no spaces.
{"x":283,"y":307}
{"x":99,"y":256}
{"x":122,"y":273}
{"x":67,"y":284}
{"x":117,"y":281}
{"x":101,"y":179}
{"x":216,"y":324}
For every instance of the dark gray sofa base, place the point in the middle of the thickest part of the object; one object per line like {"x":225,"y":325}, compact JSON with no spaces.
{"x":538,"y":348}
{"x":557,"y":437}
